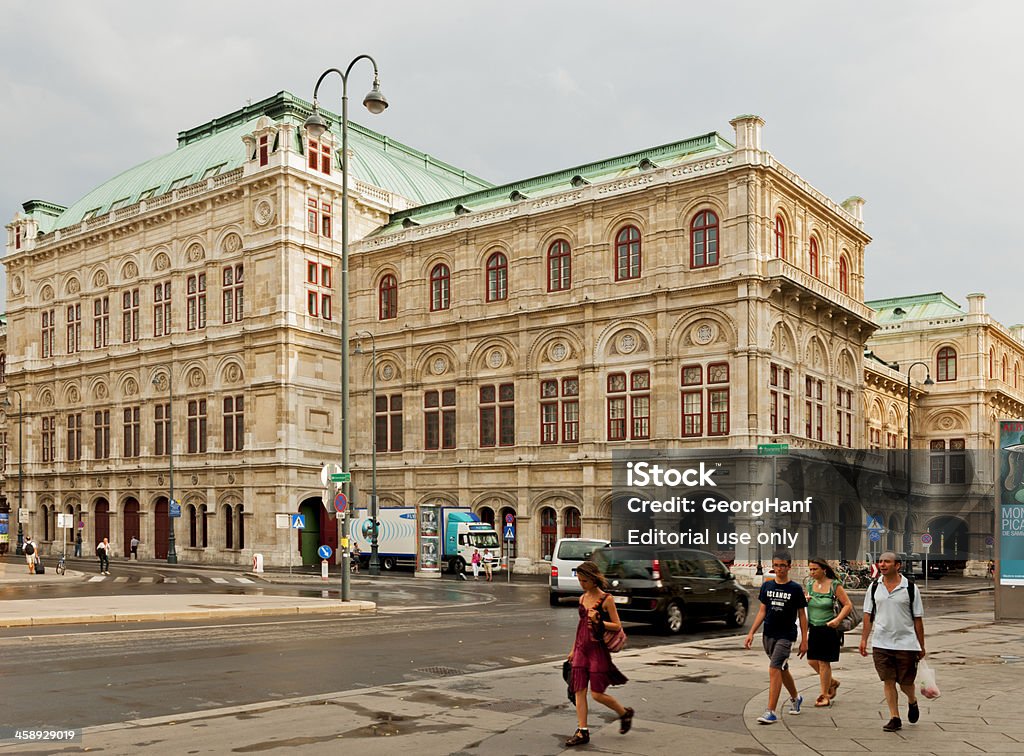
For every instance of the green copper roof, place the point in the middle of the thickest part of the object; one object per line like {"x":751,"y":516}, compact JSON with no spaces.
{"x":217,"y":147}
{"x":918,"y":307}
{"x":560,"y":181}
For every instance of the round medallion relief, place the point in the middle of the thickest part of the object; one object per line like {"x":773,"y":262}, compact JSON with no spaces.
{"x":100,"y":392}
{"x":233,"y":374}
{"x":559,"y":351}
{"x":703,"y":334}
{"x":131,"y":270}
{"x":627,"y":343}
{"x":73,"y":286}
{"x":439,"y":366}
{"x":195,"y":480}
{"x":101,"y":279}
{"x":946,"y":423}
{"x":496,"y":359}
{"x":162,"y":262}
{"x":73,"y":396}
{"x":232,"y":243}
{"x":131,"y":388}
{"x":387,"y":372}
{"x":195,"y":253}
{"x":17,"y":285}
{"x":264,"y":212}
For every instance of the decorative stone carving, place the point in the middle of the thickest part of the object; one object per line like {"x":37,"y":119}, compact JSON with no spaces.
{"x":496,"y":358}
{"x":196,"y":378}
{"x":559,"y":351}
{"x":73,"y":396}
{"x":162,"y":262}
{"x":703,"y":334}
{"x":161,"y":383}
{"x":232,"y":243}
{"x":100,"y":279}
{"x":263,"y":213}
{"x":387,"y":372}
{"x":131,"y":388}
{"x":233,"y":374}
{"x":73,"y":286}
{"x":195,"y":480}
{"x":131,"y":270}
{"x":195,"y":252}
{"x":17,"y":285}
{"x":439,"y":366}
{"x":128,"y":482}
{"x":231,"y":479}
{"x":627,"y":342}
{"x":100,"y":392}
{"x":47,"y":293}
{"x":46,"y":398}
{"x":99,"y":482}
{"x":947,"y":423}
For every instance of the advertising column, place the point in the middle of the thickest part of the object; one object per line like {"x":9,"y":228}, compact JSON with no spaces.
{"x":1010,"y":521}
{"x":428,"y":541}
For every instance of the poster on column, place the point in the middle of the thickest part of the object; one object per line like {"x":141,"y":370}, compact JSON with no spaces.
{"x":429,"y":539}
{"x":1010,"y":494}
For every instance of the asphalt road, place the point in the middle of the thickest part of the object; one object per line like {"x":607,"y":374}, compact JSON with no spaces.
{"x":79,"y":676}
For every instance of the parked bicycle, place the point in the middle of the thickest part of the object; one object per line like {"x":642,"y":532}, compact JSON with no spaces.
{"x":61,"y":565}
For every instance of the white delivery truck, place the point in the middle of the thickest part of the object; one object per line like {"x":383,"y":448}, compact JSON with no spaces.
{"x":461,"y":532}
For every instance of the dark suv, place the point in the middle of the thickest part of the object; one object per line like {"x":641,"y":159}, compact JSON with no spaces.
{"x":671,"y":587}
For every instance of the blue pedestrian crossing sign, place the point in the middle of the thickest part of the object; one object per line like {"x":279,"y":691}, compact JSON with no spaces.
{"x":510,"y":532}
{"x":324,"y":551}
{"x":298,"y":521}
{"x":874,"y":523}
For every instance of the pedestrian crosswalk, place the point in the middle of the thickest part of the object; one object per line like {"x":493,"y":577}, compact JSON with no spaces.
{"x":171,"y":579}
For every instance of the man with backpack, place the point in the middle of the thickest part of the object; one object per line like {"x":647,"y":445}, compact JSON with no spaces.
{"x":893,"y":610}
{"x":28,"y":548}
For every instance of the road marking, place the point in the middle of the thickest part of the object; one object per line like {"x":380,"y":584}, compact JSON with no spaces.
{"x":194,"y":580}
{"x":147,"y":579}
{"x":339,"y":618}
{"x":170,"y":580}
{"x":244,"y":580}
{"x":96,"y":579}
{"x":120,"y":580}
{"x":219,"y":580}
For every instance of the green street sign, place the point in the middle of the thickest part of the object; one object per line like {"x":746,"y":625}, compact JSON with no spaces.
{"x":772,"y":450}
{"x":341,"y":477}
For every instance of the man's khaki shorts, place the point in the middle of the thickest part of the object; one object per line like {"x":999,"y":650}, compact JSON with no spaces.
{"x":898,"y":666}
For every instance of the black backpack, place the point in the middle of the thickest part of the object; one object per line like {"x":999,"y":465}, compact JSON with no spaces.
{"x":30,"y":549}
{"x":98,"y":549}
{"x":911,"y":591}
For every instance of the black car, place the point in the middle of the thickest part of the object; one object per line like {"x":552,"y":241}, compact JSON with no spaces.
{"x":671,"y":587}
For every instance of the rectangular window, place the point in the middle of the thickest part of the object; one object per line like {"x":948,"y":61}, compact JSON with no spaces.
{"x":325,"y":220}
{"x":3,"y":452}
{"x":874,"y":439}
{"x":46,"y":331}
{"x":132,"y":439}
{"x":814,"y":408}
{"x":439,"y":419}
{"x":74,"y":328}
{"x":948,"y":462}
{"x":162,"y":309}
{"x":264,"y":150}
{"x":196,"y":288}
{"x":197,"y":426}
{"x":130,"y":316}
{"x":718,"y":412}
{"x":101,"y":430}
{"x":234,"y":423}
{"x":844,"y":417}
{"x":74,"y":437}
{"x":162,"y":429}
{"x":318,"y":290}
{"x":49,"y":439}
{"x":937,"y":461}
{"x":497,"y":415}
{"x":693,"y":413}
{"x":232,"y":281}
{"x":388,"y":423}
{"x":779,"y":381}
{"x":100,"y":322}
{"x":319,"y":156}
{"x":312,"y":215}
{"x":629,"y":405}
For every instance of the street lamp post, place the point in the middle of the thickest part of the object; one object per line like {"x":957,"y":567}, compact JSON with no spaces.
{"x":21,"y":535}
{"x":760,"y":567}
{"x":315,"y":127}
{"x":907,"y":536}
{"x":374,"y":557}
{"x":172,"y":555}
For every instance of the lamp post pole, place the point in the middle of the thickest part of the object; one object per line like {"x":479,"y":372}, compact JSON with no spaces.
{"x":315,"y":127}
{"x":374,"y":557}
{"x":907,"y":536}
{"x":19,"y":546}
{"x":172,"y":554}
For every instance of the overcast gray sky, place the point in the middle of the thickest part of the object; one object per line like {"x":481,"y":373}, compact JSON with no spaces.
{"x":915,"y":105}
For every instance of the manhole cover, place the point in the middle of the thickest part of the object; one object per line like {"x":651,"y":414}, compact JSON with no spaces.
{"x":440,"y":671}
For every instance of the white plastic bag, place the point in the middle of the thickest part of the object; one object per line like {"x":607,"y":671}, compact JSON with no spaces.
{"x":926,"y":680}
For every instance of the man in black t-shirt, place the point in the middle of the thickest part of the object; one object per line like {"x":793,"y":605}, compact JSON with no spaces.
{"x":782,"y":604}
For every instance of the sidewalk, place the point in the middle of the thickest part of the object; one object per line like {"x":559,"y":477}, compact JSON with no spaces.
{"x":704,"y":694}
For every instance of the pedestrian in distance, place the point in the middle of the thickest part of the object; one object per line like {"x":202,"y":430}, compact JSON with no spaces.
{"x":135,"y":547}
{"x":488,"y":560}
{"x":823,"y":591}
{"x":591,"y":661}
{"x":475,"y":561}
{"x":354,"y":558}
{"x":78,"y":544}
{"x":103,"y":552}
{"x":783,"y":604}
{"x":28,"y":548}
{"x":894,"y":620}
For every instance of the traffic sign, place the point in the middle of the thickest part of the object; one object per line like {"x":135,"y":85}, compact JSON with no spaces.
{"x":298,"y":521}
{"x":327,"y":471}
{"x":175,"y":509}
{"x":772,"y":450}
{"x":510,"y":519}
{"x":874,"y":535}
{"x":874,"y":524}
{"x":926,"y":539}
{"x":340,"y":502}
{"x":990,"y":541}
{"x":340,"y":477}
{"x":325,"y":551}
{"x":510,"y":533}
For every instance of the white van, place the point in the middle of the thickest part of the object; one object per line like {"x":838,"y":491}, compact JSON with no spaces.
{"x":569,"y":553}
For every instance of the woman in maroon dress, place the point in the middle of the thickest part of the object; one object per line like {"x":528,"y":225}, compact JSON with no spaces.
{"x":591,"y":663}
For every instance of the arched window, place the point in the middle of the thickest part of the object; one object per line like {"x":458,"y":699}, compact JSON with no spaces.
{"x":486,"y":514}
{"x":3,"y":367}
{"x":780,"y":237}
{"x":991,"y":363}
{"x":571,"y":523}
{"x":241,"y":526}
{"x":627,"y":254}
{"x":559,"y":266}
{"x":704,"y":240}
{"x":229,"y":528}
{"x":844,"y":276}
{"x":497,"y":277}
{"x":548,"y":532}
{"x":1004,"y":369}
{"x":440,"y":287}
{"x":1016,"y":375}
{"x":388,"y":297}
{"x":945,"y":364}
{"x":192,"y":526}
{"x":813,"y":258}
{"x":203,"y":522}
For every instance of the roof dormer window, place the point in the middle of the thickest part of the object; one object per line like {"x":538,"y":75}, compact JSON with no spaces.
{"x":149,"y":193}
{"x":119,"y":203}
{"x":90,"y":214}
{"x":319,"y":156}
{"x":213,"y":171}
{"x":179,"y":182}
